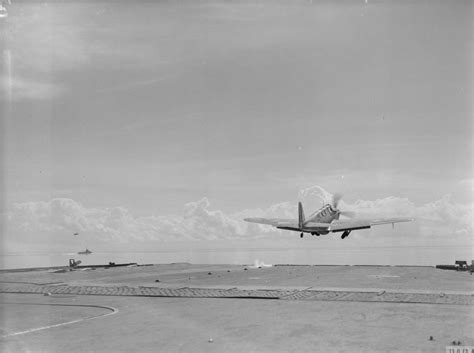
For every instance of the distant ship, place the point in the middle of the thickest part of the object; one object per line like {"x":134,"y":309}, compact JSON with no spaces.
{"x":85,"y":252}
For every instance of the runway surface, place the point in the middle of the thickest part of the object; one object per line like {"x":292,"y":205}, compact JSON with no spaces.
{"x":184,"y":308}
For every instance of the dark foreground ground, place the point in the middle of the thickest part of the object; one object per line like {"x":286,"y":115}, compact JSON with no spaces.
{"x":206,"y":309}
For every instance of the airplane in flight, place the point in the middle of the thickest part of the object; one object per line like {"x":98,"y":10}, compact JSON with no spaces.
{"x":325,"y":220}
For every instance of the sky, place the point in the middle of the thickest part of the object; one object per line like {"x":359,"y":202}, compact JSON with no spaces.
{"x":168,"y":121}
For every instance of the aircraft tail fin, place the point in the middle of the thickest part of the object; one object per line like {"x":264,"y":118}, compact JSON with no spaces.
{"x":301,"y":219}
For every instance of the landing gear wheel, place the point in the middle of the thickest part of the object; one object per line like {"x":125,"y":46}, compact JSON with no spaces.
{"x":301,"y":235}
{"x":345,"y":234}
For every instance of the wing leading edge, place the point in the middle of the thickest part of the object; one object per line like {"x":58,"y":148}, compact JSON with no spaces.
{"x":337,"y":226}
{"x":272,"y":221}
{"x":340,"y":226}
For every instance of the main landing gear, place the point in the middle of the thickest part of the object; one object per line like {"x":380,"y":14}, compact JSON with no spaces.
{"x":313,"y":234}
{"x":345,"y":234}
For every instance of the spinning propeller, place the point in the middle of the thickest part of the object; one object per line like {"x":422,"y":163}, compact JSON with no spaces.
{"x":335,"y":201}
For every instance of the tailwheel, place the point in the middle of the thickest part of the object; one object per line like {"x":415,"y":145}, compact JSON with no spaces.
{"x":301,"y":235}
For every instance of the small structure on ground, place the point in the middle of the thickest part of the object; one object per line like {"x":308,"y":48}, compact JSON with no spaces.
{"x":73,"y":263}
{"x":459,"y":265}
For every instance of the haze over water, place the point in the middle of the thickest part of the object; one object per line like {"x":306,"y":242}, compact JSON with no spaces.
{"x":342,"y":255}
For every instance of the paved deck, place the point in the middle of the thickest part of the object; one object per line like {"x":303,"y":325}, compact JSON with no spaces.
{"x":285,"y":294}
{"x":181,"y":307}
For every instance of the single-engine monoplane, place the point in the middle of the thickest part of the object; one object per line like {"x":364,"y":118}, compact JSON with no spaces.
{"x":325,"y":220}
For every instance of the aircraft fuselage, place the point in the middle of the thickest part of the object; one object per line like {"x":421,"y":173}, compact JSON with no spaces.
{"x":325,"y":214}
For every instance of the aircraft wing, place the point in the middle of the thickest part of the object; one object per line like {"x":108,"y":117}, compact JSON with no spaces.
{"x":340,"y":226}
{"x":276,"y":222}
{"x":314,"y":226}
{"x":290,"y":224}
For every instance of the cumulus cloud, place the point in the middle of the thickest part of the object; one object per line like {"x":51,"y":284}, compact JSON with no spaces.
{"x":200,"y":222}
{"x":118,"y":223}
